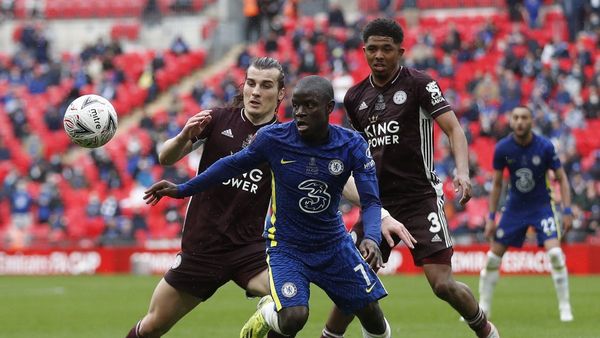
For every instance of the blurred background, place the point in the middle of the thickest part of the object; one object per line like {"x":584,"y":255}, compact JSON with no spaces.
{"x":161,"y":61}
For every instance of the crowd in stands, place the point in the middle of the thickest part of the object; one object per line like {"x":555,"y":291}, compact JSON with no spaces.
{"x":485,"y":64}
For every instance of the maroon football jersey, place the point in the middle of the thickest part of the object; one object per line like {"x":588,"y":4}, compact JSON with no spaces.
{"x":231,"y":214}
{"x":397,"y":121}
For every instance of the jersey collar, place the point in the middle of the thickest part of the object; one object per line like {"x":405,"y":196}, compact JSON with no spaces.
{"x":273,"y":120}
{"x":392,"y":82}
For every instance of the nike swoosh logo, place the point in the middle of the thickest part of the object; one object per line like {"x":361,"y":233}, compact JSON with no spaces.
{"x":287,"y":162}
{"x":370,"y":288}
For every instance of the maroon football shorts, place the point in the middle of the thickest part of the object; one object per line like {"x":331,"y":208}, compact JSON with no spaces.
{"x":202,"y":275}
{"x":426,"y":222}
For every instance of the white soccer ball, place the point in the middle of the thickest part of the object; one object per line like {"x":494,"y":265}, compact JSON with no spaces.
{"x":90,"y":121}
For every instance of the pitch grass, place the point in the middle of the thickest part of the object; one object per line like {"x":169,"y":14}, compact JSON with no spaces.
{"x":107,"y":306}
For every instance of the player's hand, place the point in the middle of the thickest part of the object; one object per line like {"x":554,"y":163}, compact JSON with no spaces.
{"x":196,"y":124}
{"x":391,"y":227}
{"x":462,"y":186}
{"x":158,"y":190}
{"x":567,"y":223}
{"x":490,"y":229}
{"x":371,"y":253}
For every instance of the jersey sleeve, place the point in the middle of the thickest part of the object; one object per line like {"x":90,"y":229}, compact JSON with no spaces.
{"x":365,"y":178}
{"x":499,"y":161}
{"x":431,"y":98}
{"x":552,"y":157}
{"x":227,"y":167}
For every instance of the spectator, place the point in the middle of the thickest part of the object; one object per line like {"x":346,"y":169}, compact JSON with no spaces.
{"x":533,"y":12}
{"x":336,"y":16}
{"x":5,"y":153}
{"x":253,"y":20}
{"x":179,"y":46}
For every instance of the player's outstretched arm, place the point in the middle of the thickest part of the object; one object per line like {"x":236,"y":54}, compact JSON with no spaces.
{"x":158,"y":190}
{"x":177,"y":147}
{"x":458,"y":144}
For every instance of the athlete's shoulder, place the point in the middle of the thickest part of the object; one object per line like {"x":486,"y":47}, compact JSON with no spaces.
{"x":543,"y":140}
{"x":356,"y":90}
{"x":417,"y":76}
{"x":276,"y":129}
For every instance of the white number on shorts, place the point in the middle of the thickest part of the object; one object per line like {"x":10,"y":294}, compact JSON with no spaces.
{"x":435,"y":222}
{"x":549,"y":226}
{"x":361,"y":268}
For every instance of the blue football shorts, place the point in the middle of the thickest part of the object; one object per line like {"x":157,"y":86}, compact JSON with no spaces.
{"x":340,"y":271}
{"x":513,"y":225}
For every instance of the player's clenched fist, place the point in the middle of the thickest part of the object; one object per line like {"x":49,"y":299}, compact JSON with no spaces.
{"x":371,"y":253}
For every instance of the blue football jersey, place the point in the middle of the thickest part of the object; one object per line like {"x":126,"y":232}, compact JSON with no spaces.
{"x":528,"y":166}
{"x":307,"y":183}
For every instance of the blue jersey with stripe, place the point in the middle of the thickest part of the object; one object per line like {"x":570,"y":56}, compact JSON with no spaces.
{"x":307,"y":183}
{"x":528,"y":166}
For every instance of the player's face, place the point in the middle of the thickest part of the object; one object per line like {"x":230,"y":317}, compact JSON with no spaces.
{"x":383,"y":55}
{"x":521,"y":122}
{"x":311,"y":114}
{"x":261,"y":94}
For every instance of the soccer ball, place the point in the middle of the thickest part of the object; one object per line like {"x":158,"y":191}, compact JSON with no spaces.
{"x":90,"y":121}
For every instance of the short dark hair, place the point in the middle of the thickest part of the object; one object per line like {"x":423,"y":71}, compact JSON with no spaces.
{"x":318,"y":84}
{"x":383,"y":27}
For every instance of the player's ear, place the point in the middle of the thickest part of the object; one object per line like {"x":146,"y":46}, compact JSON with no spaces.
{"x":281,"y":94}
{"x":330,"y":106}
{"x":401,"y":50}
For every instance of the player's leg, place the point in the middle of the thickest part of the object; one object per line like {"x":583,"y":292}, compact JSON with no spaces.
{"x":438,"y":271}
{"x":285,"y":311}
{"x":167,"y":306}
{"x":354,"y":287}
{"x":489,"y":275}
{"x":337,"y":323}
{"x":560,"y":277}
{"x":547,"y":230}
{"x":374,"y":324}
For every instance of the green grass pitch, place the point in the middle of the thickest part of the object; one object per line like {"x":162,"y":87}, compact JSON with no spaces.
{"x":107,"y":306}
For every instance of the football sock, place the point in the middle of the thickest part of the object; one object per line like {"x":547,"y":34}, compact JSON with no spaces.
{"x":134,"y":332}
{"x":479,"y":323}
{"x":271,"y":317}
{"x":386,"y":334}
{"x":560,"y":276}
{"x":487,"y":281}
{"x":328,"y":334}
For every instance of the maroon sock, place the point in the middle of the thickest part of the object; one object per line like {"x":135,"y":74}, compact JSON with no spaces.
{"x":134,"y":332}
{"x":479,"y":324}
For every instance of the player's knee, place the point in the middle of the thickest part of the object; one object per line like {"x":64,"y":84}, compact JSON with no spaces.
{"x":557,"y":258}
{"x":493,"y":261}
{"x":152,"y":326}
{"x":292,"y":320}
{"x":372,"y":318}
{"x":444,"y":289}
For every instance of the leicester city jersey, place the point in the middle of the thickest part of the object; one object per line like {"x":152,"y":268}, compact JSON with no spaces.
{"x":307,"y":183}
{"x":528,"y":166}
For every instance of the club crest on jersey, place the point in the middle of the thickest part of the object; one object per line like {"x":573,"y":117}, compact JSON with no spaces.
{"x":400,"y":97}
{"x":336,"y":167}
{"x":380,"y":105}
{"x":436,"y":93}
{"x":536,"y":160}
{"x":248,"y":140}
{"x":289,"y":290}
